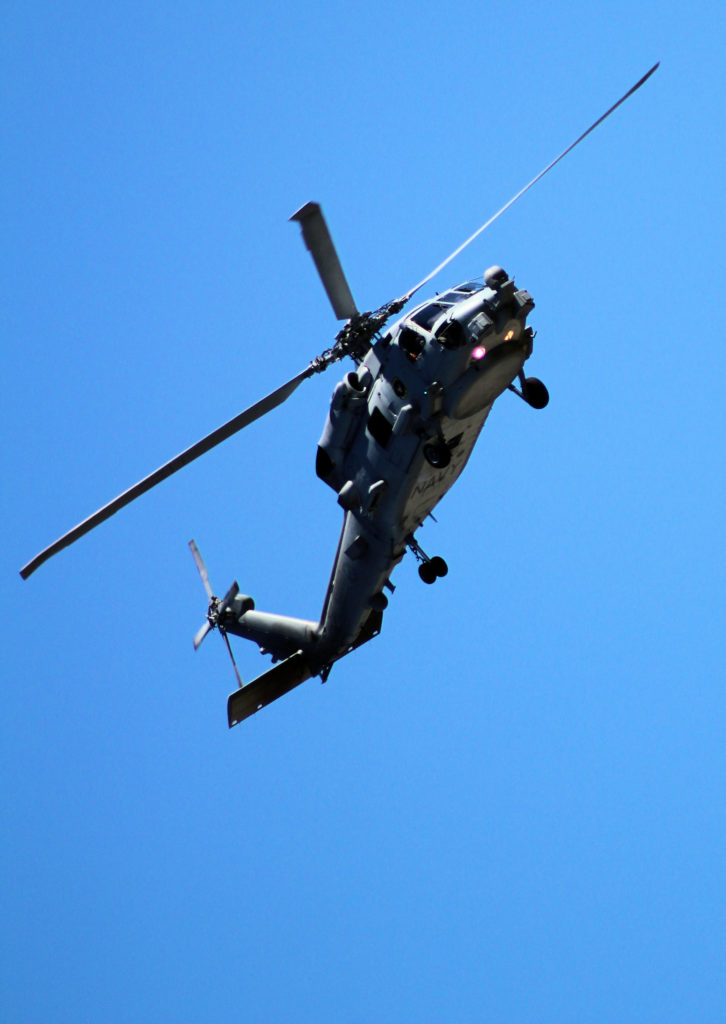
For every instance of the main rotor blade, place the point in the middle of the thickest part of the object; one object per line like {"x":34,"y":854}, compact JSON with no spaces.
{"x":237,"y":423}
{"x":317,"y":238}
{"x":527,"y":187}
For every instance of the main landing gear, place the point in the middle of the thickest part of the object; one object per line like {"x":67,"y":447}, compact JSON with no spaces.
{"x":533,"y":391}
{"x":430,"y":569}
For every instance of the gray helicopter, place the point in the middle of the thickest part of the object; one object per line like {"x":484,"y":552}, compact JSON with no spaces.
{"x":399,"y":432}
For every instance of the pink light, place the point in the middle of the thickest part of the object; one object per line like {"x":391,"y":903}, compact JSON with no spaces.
{"x":479,"y":352}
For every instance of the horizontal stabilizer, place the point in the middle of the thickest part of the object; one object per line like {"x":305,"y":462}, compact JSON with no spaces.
{"x":266,"y":688}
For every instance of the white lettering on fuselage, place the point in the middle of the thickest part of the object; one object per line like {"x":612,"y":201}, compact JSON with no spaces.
{"x":432,"y":481}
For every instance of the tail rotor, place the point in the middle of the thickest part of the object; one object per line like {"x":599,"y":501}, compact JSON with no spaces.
{"x":216,"y":609}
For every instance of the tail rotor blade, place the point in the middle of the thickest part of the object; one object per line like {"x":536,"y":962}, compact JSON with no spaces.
{"x":201,"y":633}
{"x":202,"y":570}
{"x":318,"y":240}
{"x":229,"y":597}
{"x":234,"y":663}
{"x":227,"y":600}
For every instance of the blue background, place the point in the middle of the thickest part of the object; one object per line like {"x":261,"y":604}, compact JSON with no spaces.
{"x":508,"y":807}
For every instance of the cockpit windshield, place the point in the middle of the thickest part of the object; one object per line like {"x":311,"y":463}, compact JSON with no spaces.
{"x":427,"y":315}
{"x":468,"y":287}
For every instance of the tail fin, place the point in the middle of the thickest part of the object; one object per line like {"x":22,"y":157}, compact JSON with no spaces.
{"x":269,"y":686}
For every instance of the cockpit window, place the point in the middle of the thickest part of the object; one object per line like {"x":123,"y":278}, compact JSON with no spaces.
{"x":428,"y":315}
{"x":470,"y":286}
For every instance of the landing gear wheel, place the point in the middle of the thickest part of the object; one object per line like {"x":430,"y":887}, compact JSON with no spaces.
{"x":535,"y":393}
{"x":439,"y":566}
{"x":427,"y":572}
{"x":437,"y":454}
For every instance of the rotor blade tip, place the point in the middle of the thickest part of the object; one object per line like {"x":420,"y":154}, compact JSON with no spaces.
{"x":305,"y":211}
{"x":646,"y":76}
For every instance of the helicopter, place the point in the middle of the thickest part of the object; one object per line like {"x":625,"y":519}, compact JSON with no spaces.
{"x":401,"y":427}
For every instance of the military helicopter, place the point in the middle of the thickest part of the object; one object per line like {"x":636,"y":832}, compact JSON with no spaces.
{"x":400,"y":429}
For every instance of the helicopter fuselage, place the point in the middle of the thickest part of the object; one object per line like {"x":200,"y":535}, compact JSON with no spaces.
{"x":400,"y":430}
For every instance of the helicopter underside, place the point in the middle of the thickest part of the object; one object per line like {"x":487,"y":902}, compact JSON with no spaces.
{"x":373,"y":540}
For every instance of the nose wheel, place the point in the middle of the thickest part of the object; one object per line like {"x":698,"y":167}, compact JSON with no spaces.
{"x":430,"y":569}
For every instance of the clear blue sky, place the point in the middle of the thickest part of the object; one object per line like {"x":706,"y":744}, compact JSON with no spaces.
{"x":510,"y":807}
